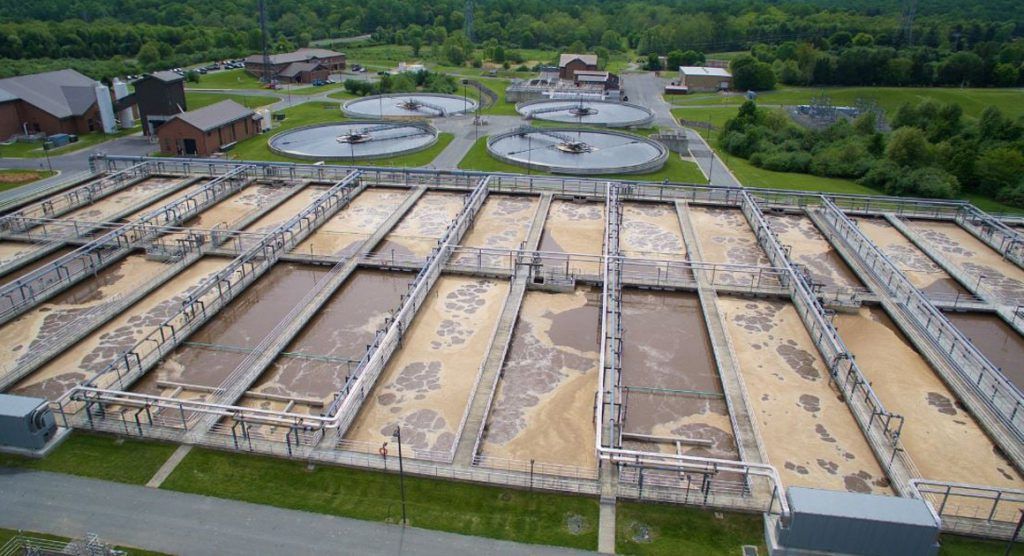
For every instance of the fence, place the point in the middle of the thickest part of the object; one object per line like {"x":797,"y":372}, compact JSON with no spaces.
{"x":881,"y":427}
{"x":1004,"y":239}
{"x":347,"y":403}
{"x":56,"y":205}
{"x":41,"y":283}
{"x":976,"y":371}
{"x":972,"y":509}
{"x":221,"y":288}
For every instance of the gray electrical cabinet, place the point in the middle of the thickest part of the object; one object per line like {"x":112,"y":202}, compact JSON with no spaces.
{"x":25,"y":423}
{"x":830,"y":522}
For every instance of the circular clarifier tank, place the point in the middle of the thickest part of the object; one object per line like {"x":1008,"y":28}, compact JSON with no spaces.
{"x":587,"y":112}
{"x":578,"y":151}
{"x":408,"y":105}
{"x":354,"y":140}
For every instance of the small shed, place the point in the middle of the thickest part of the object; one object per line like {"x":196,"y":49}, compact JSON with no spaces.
{"x":825,"y":521}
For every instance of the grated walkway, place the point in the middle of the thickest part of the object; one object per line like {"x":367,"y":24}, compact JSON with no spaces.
{"x":491,"y":369}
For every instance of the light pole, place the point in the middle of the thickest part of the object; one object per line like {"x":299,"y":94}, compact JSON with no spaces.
{"x":401,"y":469}
{"x":46,"y":153}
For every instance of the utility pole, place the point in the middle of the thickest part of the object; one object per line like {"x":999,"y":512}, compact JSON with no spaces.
{"x":401,"y":469}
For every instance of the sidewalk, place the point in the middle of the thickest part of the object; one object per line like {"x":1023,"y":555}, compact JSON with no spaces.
{"x":178,"y":523}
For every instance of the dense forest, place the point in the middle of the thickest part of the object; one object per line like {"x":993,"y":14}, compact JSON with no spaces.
{"x":808,"y":42}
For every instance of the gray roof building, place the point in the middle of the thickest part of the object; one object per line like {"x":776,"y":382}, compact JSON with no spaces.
{"x":300,"y":55}
{"x":168,"y":76}
{"x":295,"y":68}
{"x":215,"y":115}
{"x":62,"y":93}
{"x":588,"y":59}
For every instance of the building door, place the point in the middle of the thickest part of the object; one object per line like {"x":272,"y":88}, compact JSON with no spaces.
{"x":190,"y":146}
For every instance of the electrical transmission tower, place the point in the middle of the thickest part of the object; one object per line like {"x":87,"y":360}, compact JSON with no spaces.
{"x":909,"y":12}
{"x":469,"y":20}
{"x":266,"y":77}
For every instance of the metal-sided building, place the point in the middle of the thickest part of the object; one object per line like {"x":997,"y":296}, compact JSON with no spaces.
{"x":160,"y":96}
{"x":834,"y":522}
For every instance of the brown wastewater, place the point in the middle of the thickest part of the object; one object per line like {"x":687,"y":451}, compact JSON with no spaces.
{"x":673,"y":395}
{"x":544,"y":404}
{"x":807,"y":431}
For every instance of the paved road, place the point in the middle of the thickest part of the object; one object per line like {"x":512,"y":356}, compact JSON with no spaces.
{"x":132,"y":145}
{"x":179,"y":523}
{"x":466,"y":134}
{"x":645,"y":89}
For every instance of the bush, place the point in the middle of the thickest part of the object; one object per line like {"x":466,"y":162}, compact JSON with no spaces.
{"x":848,"y":159}
{"x":882,"y":175}
{"x":781,"y":161}
{"x":358,"y":87}
{"x":922,"y":182}
{"x":1012,"y":195}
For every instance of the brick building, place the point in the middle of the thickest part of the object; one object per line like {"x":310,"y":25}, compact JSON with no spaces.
{"x":160,"y":96}
{"x":208,"y":130}
{"x":62,"y":101}
{"x":609,"y":81}
{"x":569,"y":64}
{"x":302,"y":66}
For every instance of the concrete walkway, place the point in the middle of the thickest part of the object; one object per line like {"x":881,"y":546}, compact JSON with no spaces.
{"x":178,"y":523}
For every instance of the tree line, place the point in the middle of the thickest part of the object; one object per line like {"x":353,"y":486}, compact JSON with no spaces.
{"x":148,"y":34}
{"x":932,"y":150}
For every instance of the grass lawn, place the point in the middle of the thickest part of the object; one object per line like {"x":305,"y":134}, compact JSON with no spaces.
{"x":675,"y":169}
{"x":326,"y":112}
{"x":954,"y":545}
{"x":491,"y":512}
{"x":500,"y":106}
{"x":717,"y":116}
{"x":973,"y":101}
{"x":35,"y":150}
{"x":8,"y":534}
{"x":196,"y":100}
{"x":682,"y":530}
{"x":100,"y":457}
{"x":311,"y":89}
{"x":226,"y":79}
{"x":16,"y":177}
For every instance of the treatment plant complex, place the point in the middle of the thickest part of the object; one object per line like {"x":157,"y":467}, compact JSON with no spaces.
{"x":759,"y":350}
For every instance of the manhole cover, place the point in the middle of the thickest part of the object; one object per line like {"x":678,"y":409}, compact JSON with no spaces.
{"x":641,"y":532}
{"x":575,"y":523}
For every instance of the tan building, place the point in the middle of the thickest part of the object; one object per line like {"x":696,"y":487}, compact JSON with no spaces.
{"x":569,"y":64}
{"x":702,"y":79}
{"x":205,"y":131}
